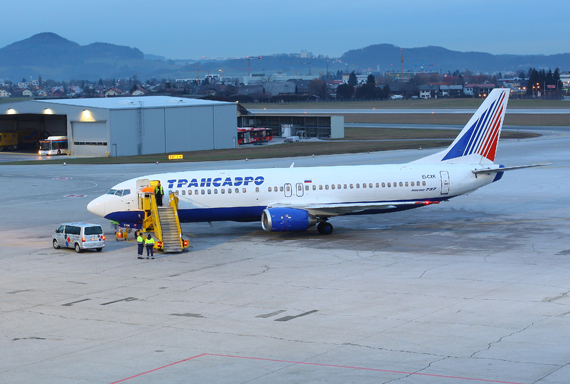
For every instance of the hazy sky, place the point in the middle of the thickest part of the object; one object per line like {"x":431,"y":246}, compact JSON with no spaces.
{"x":190,"y":29}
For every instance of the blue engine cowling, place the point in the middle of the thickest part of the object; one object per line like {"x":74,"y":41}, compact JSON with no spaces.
{"x":286,"y":219}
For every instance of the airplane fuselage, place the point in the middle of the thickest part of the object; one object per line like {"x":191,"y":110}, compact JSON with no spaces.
{"x":242,"y":195}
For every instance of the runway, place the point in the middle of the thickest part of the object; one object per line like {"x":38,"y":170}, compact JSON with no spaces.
{"x":474,"y":290}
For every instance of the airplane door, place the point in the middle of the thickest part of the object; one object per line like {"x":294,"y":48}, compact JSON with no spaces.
{"x":141,"y":183}
{"x":444,"y":182}
{"x":300,"y":190}
{"x":288,"y":190}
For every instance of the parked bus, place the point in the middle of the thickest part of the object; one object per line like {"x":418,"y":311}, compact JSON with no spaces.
{"x":54,"y":145}
{"x":254,"y":135}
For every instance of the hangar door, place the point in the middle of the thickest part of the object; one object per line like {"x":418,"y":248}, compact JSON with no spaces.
{"x":89,"y":139}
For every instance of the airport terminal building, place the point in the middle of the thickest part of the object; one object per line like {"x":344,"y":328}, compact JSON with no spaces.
{"x":126,"y":126}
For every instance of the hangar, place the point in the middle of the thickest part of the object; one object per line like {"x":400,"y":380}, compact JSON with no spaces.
{"x":126,"y":126}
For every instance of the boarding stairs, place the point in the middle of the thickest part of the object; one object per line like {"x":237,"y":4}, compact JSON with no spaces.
{"x":162,"y":221}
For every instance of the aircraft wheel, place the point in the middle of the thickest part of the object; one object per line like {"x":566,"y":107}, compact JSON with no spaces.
{"x":325,"y":228}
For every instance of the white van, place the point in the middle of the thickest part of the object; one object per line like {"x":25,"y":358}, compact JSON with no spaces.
{"x":80,"y":236}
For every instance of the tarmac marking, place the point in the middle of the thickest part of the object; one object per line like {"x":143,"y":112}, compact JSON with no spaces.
{"x":116,"y":301}
{"x":74,"y":302}
{"x":318,"y":365}
{"x":287,"y":318}
{"x":186,"y":314}
{"x":265,"y":316}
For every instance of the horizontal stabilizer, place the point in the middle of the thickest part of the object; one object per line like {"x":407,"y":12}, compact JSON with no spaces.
{"x":495,"y":170}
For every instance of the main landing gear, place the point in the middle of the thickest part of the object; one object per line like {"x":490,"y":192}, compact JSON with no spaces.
{"x":325,"y":228}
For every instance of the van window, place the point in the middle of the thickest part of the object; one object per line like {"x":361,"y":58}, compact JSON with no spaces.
{"x":93,"y":231}
{"x":60,"y":229}
{"x":72,"y":230}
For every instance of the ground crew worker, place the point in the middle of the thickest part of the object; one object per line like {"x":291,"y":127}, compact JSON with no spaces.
{"x":158,"y":193}
{"x":149,"y":242}
{"x":140,"y":244}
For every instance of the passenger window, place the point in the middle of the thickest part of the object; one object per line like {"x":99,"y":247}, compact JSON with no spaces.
{"x":395,"y":184}
{"x":229,"y":190}
{"x":412,"y":183}
{"x":345,"y":186}
{"x":357,"y":185}
{"x":363,"y":185}
{"x":269,"y":189}
{"x":203,"y":191}
{"x":314,"y":187}
{"x":275,"y":189}
{"x":183,"y":192}
{"x":370,"y":185}
{"x":406,"y":183}
{"x":237,"y":190}
{"x":223,"y":191}
{"x":244,"y":190}
{"x":333,"y":186}
{"x":306,"y":187}
{"x":377,"y":185}
{"x":401,"y":184}
{"x":424,"y":183}
{"x":215,"y":191}
{"x":351,"y":186}
{"x":418,"y":183}
{"x":209,"y":191}
{"x":280,"y":189}
{"x":327,"y":187}
{"x":256,"y":189}
{"x":320,"y":187}
{"x":383,"y":185}
{"x":389,"y":185}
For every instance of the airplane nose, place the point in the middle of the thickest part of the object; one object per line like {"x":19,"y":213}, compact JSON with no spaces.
{"x":97,"y":206}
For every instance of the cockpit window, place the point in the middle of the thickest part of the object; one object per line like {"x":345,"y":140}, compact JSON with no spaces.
{"x":126,"y":192}
{"x":112,"y":192}
{"x":119,"y":193}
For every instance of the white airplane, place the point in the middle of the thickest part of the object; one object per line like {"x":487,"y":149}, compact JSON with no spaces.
{"x":294,"y":199}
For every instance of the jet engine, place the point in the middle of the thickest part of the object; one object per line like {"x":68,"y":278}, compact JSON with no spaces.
{"x":286,"y":219}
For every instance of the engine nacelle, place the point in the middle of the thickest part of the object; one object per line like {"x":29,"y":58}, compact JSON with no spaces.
{"x":286,"y":219}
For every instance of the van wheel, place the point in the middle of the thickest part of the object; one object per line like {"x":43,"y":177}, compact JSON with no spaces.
{"x":99,"y":249}
{"x":77,"y":248}
{"x":58,"y":152}
{"x":55,"y":244}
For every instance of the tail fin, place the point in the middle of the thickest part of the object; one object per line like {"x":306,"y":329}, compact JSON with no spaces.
{"x":477,"y":142}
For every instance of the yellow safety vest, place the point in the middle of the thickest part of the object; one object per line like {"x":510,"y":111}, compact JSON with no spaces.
{"x":140,"y":239}
{"x":157,"y":190}
{"x":149,"y":241}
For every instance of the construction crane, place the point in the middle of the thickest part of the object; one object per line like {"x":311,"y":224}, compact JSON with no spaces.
{"x":402,"y":60}
{"x":248,"y":63}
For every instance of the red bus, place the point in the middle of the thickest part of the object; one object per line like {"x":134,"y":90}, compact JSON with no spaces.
{"x":254,"y":135}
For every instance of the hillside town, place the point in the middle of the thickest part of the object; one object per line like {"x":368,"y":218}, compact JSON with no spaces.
{"x":281,"y":88}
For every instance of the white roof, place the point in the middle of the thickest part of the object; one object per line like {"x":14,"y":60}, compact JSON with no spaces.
{"x":134,"y":102}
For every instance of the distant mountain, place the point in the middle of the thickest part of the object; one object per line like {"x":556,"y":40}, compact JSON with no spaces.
{"x":387,"y":56}
{"x":54,"y":57}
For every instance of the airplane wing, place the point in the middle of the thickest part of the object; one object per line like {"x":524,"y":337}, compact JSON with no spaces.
{"x":337,"y":209}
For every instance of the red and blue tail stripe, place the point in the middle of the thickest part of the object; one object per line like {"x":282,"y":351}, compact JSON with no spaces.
{"x":482,"y":136}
